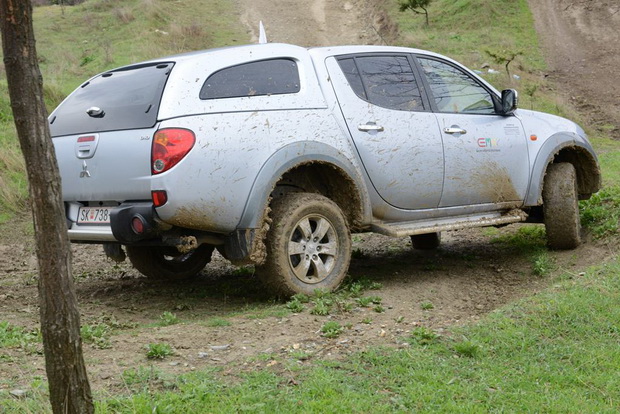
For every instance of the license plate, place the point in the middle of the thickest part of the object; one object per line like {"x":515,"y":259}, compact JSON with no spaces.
{"x":94,"y":215}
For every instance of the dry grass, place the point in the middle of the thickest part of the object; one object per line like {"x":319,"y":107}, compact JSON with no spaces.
{"x":192,"y":31}
{"x":124,"y":15}
{"x":90,"y":20}
{"x":155,"y":11}
{"x":103,"y":5}
{"x":13,"y":184}
{"x":185,"y":38}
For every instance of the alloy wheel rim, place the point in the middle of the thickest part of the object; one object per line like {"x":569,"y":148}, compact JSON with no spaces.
{"x":312,"y":249}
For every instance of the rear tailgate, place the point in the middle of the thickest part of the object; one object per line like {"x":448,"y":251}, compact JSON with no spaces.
{"x":117,"y":168}
{"x":103,"y":134}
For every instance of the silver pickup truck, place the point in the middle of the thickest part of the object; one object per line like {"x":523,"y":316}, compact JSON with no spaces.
{"x":274,"y":154}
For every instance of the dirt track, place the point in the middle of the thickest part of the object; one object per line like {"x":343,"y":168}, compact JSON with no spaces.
{"x":313,"y":23}
{"x":582,"y":43}
{"x":467,"y":277}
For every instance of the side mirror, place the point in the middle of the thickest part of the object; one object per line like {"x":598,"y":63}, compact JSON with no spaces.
{"x":510,"y":99}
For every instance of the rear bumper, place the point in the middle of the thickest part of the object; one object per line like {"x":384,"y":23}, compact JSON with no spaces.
{"x":238,"y":246}
{"x":119,"y":230}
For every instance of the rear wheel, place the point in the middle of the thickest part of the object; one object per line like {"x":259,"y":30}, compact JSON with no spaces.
{"x":428,"y":241}
{"x":167,"y":263}
{"x":308,"y":245}
{"x":561,"y":208}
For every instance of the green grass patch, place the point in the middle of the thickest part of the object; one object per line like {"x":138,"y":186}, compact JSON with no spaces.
{"x":601,"y":213}
{"x":218,"y":322}
{"x":158,"y":351}
{"x":423,"y":336}
{"x":528,"y":239}
{"x":168,"y":318}
{"x":543,"y":264}
{"x":97,"y":335}
{"x":146,"y":379}
{"x":345,"y":300}
{"x":331,"y":329}
{"x":265,"y":311}
{"x":322,"y":306}
{"x":12,"y":336}
{"x":295,"y":306}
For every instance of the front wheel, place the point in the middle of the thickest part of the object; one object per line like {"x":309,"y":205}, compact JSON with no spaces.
{"x":308,"y":245}
{"x":561,"y":208}
{"x":166,"y":263}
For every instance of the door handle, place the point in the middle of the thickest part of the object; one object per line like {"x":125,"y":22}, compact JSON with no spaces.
{"x":370,"y":127}
{"x":454,"y":130}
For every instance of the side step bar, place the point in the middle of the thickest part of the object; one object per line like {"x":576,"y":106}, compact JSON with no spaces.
{"x":451,"y":223}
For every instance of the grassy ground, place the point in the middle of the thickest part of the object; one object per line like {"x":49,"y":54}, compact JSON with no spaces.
{"x":554,"y":352}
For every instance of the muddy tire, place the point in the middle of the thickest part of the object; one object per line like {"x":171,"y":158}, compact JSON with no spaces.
{"x":166,"y":263}
{"x":561,"y":208}
{"x":428,"y":241}
{"x":308,"y":245}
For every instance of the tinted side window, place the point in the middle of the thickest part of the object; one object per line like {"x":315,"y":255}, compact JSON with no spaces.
{"x":387,"y":81}
{"x":267,"y":77}
{"x":454,"y":90}
{"x":350,"y":71}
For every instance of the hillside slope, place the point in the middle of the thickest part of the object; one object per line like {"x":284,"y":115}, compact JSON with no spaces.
{"x":225,"y":312}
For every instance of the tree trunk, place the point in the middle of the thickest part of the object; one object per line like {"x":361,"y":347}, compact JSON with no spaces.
{"x":60,"y":319}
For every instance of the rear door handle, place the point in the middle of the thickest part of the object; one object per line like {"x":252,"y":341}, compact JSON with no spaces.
{"x":370,"y":127}
{"x":454,"y":130}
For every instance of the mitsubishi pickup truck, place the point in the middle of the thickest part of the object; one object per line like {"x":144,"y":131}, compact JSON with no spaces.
{"x":274,"y":154}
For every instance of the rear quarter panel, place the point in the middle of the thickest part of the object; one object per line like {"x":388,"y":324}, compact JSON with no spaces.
{"x":209,"y":189}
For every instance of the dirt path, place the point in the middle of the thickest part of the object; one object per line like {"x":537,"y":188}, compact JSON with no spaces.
{"x":312,"y":23}
{"x":225,"y":318}
{"x":582,"y":43}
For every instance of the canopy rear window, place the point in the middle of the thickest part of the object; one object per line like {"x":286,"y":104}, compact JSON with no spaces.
{"x":126,"y":98}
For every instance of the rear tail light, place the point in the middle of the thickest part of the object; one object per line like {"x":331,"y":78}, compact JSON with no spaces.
{"x":160,"y":197}
{"x":170,"y":145}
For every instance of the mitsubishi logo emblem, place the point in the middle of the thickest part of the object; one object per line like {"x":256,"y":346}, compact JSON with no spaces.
{"x":84,"y":173}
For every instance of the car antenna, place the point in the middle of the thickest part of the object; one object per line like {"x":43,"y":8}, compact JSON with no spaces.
{"x":262,"y":36}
